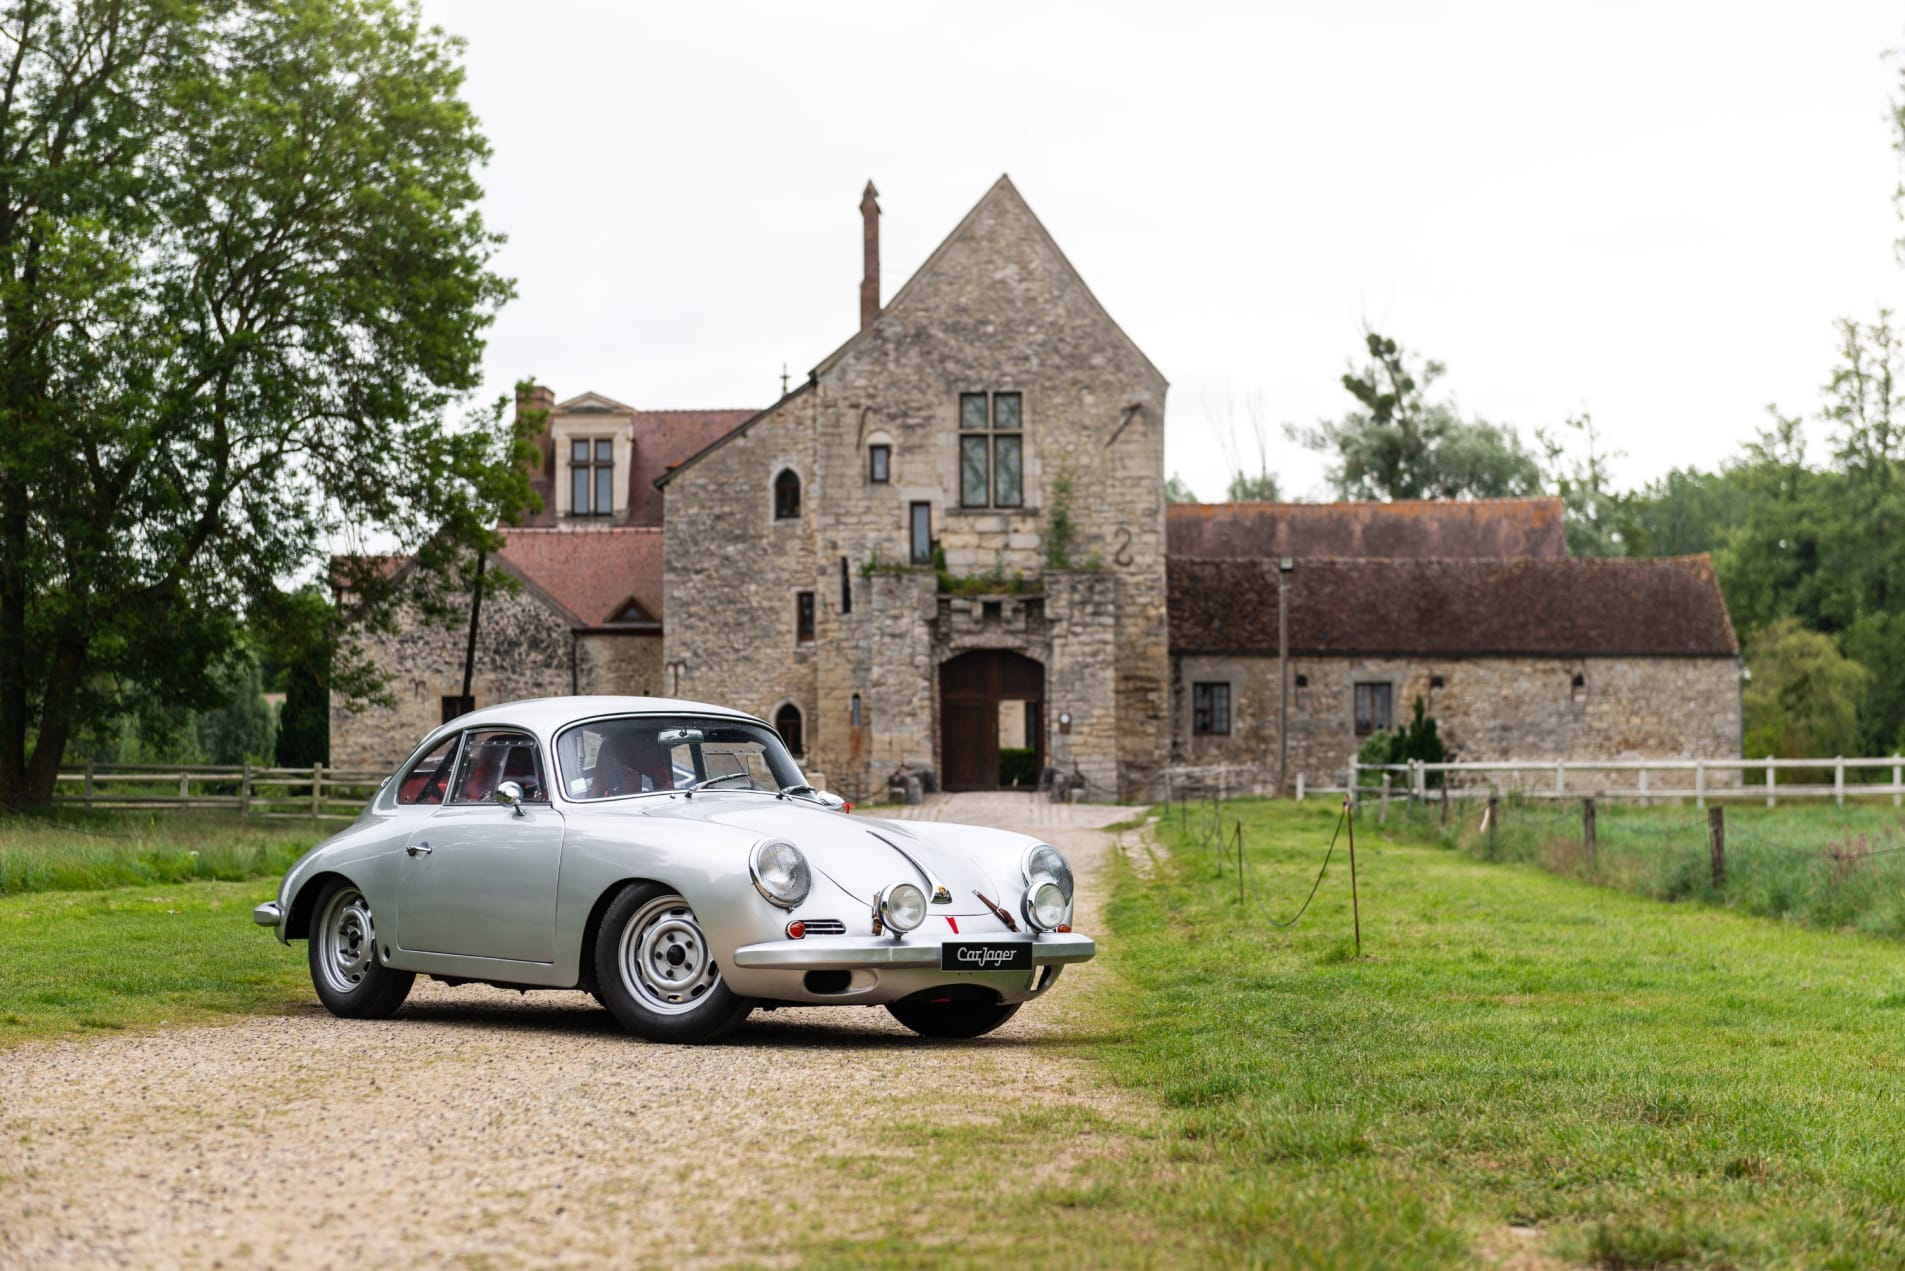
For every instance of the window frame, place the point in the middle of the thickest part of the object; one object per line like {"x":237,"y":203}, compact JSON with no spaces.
{"x":880,"y":464}
{"x":1363,"y":722}
{"x":991,"y":438}
{"x":597,"y":469}
{"x":448,"y":768}
{"x":466,"y":751}
{"x":782,"y":511}
{"x":1210,"y":708}
{"x":797,"y":744}
{"x":804,"y":620}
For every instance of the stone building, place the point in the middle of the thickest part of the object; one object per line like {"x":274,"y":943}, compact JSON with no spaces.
{"x":991,"y":420}
{"x":948,"y":550}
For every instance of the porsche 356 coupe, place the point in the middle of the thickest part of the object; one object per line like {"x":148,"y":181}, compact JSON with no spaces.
{"x":669,"y":858}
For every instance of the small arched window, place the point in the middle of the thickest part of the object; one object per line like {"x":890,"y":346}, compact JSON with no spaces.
{"x":787,"y":724}
{"x":787,"y":496}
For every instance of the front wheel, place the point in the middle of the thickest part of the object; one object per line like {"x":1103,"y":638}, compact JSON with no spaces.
{"x":349,"y":979}
{"x":656,"y":973}
{"x":949,"y":1018}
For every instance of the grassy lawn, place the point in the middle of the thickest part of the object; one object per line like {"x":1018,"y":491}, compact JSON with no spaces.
{"x":70,"y":849}
{"x":73,"y":963}
{"x":1520,"y":1065}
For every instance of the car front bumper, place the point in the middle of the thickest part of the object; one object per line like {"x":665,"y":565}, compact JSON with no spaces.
{"x":872,"y":970}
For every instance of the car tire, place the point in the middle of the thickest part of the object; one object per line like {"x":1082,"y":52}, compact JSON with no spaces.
{"x":350,"y":980}
{"x":656,"y":973}
{"x":950,"y":1020}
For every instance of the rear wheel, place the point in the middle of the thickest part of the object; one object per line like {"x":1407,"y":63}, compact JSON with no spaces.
{"x":656,"y":973}
{"x":349,"y":979}
{"x":950,"y":1018}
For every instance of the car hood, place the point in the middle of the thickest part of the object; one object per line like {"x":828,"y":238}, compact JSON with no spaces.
{"x":862,"y":856}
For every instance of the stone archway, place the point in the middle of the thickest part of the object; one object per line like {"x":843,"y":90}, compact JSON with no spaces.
{"x":972,"y":688}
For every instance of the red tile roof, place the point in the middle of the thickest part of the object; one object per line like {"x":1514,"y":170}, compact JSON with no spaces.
{"x":590,"y":572}
{"x":1477,"y":528}
{"x":1666,"y":607}
{"x":664,"y":438}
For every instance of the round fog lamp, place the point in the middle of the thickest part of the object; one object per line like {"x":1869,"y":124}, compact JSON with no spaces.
{"x":903,"y":906}
{"x":780,"y":873}
{"x":1047,"y":905}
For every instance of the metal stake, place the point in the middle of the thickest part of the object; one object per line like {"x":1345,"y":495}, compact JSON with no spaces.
{"x":1355,"y":905}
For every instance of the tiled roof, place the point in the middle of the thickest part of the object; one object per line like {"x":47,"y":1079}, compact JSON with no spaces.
{"x":591,"y":572}
{"x":1666,"y":607}
{"x":664,"y":438}
{"x":1474,"y":528}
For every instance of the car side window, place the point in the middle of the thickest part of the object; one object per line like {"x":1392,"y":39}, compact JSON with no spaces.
{"x":429,"y":777}
{"x":494,"y":756}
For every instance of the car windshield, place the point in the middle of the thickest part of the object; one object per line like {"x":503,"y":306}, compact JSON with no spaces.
{"x":609,"y":758}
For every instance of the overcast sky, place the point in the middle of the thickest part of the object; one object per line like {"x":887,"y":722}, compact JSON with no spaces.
{"x":1651,"y":211}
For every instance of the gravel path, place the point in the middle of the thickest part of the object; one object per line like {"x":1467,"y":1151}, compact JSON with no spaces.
{"x":488,"y":1128}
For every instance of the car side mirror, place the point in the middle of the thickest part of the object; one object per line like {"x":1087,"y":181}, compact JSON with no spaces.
{"x":510,"y":795}
{"x":831,"y":801}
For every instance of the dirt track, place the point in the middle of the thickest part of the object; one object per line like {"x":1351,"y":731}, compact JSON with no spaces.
{"x":487,"y":1127}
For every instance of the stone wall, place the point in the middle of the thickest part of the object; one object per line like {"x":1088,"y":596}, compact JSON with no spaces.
{"x":617,"y":662}
{"x":1486,"y":709}
{"x":522,"y":650}
{"x":996,"y":309}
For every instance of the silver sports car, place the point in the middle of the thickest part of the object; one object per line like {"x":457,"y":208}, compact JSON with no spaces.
{"x":669,"y":858}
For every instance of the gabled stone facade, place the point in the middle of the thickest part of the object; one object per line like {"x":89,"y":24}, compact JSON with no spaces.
{"x":997,"y":309}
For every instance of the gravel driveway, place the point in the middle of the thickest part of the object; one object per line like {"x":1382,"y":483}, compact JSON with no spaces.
{"x":490,"y":1128}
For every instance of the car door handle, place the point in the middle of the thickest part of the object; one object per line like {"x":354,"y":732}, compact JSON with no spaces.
{"x":418,"y":849}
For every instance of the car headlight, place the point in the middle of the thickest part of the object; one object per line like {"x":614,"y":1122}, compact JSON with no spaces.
{"x":1046,"y":906}
{"x":780,"y":872}
{"x":1045,"y":861}
{"x":902,"y":906}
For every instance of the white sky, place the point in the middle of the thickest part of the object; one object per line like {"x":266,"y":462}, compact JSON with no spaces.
{"x":1652,"y":211}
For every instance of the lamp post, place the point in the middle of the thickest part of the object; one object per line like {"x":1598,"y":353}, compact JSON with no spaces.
{"x":1285,"y":565}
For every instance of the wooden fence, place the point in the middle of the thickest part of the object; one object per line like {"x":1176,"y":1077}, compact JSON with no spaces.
{"x":315,"y":792}
{"x":1645,"y":780}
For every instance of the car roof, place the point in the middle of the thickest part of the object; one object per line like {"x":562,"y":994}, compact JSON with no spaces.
{"x":548,"y":714}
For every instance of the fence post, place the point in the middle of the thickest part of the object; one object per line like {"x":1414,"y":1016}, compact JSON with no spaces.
{"x":244,"y":792}
{"x":317,"y":789}
{"x":1493,"y":817}
{"x":1896,"y":784}
{"x":1445,"y":798}
{"x":1560,"y":779}
{"x":1299,"y":787}
{"x":89,"y":784}
{"x":1587,"y":827}
{"x":1382,"y":814}
{"x":1351,"y":791}
{"x":1838,"y":780}
{"x":185,"y":789}
{"x":1699,"y":783}
{"x":1643,"y":787}
{"x":1770,"y":770}
{"x":1716,"y":844}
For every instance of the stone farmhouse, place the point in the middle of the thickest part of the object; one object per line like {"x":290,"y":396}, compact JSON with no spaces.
{"x":948,"y":551}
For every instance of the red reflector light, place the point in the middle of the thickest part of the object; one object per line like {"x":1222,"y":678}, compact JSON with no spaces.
{"x":796,"y":929}
{"x":1064,"y":926}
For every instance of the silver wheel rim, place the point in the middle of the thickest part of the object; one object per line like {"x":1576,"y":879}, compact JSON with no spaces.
{"x":347,"y":941}
{"x":664,"y":958}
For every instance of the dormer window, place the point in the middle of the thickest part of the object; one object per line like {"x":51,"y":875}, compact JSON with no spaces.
{"x":591,"y":476}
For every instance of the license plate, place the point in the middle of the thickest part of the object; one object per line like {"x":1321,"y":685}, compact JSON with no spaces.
{"x":975,"y":955}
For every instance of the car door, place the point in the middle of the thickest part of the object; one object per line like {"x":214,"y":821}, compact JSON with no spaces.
{"x":478,"y":877}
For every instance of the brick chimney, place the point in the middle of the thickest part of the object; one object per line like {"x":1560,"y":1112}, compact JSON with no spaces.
{"x":870,"y":228}
{"x":539,"y":397}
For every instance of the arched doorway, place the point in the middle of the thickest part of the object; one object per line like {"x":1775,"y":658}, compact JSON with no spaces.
{"x":978,"y":691}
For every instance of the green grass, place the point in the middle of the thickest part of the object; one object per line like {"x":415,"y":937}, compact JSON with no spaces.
{"x":74,"y":963}
{"x":1813,"y":863}
{"x":75,"y":850}
{"x":1518,"y":1063}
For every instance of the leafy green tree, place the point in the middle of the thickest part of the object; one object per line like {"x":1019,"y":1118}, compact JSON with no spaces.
{"x":1178,"y":490}
{"x":1802,"y":698}
{"x":1253,"y":487}
{"x":1399,"y":444}
{"x":243,"y":282}
{"x":1684,"y":513}
{"x":1594,"y":513}
{"x":240,"y":728}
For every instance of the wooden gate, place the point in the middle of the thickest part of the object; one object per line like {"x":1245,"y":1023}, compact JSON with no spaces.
{"x":971,"y":686}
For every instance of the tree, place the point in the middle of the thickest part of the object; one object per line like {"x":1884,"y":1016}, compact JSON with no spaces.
{"x":240,"y":729}
{"x":1593,"y":512}
{"x":243,"y":281}
{"x":1251,"y":481}
{"x":1178,"y":490}
{"x":1802,"y":698}
{"x":1400,"y":445}
{"x":1683,"y":513}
